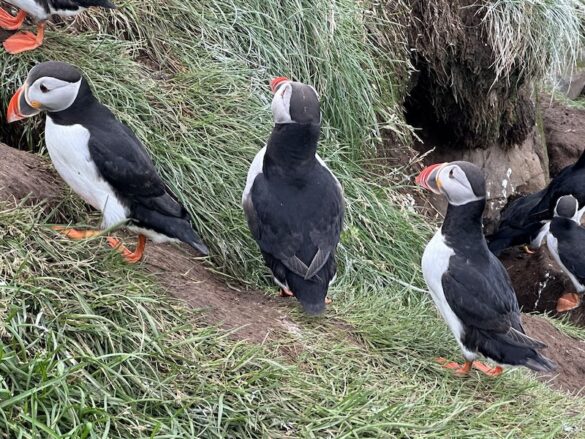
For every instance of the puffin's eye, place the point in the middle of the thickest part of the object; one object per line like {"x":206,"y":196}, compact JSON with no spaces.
{"x":43,"y":88}
{"x":451,"y":174}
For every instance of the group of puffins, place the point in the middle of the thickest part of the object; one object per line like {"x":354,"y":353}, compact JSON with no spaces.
{"x":294,"y":204}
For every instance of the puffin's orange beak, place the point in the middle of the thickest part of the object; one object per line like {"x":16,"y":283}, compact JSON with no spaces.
{"x":276,"y":82}
{"x":13,"y":113}
{"x":428,"y":178}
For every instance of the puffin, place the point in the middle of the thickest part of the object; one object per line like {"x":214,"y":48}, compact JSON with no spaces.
{"x":292,"y":202}
{"x":521,"y":226}
{"x":40,"y":11}
{"x":468,"y":283}
{"x":566,"y":243}
{"x":102,"y":160}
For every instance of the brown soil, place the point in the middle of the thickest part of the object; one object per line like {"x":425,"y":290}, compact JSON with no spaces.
{"x":24,"y":175}
{"x":564,"y":130}
{"x":568,"y":353}
{"x":254,"y":315}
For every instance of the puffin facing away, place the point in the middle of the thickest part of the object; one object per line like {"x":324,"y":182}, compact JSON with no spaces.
{"x":520,"y":226}
{"x":566,"y":243}
{"x":293,"y":203}
{"x":468,"y":284}
{"x":40,"y":10}
{"x":101,"y":159}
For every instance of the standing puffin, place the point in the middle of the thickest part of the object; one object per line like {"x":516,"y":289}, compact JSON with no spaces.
{"x":41,"y":11}
{"x":101,"y":159}
{"x":468,"y":284}
{"x":566,"y":243}
{"x":522,"y":225}
{"x":292,"y":201}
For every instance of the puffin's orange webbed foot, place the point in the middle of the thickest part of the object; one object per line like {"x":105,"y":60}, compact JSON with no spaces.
{"x":9,"y":22}
{"x":285,"y":292}
{"x":490,"y":371}
{"x":75,"y":234}
{"x":456,"y":367}
{"x":25,"y":41}
{"x":132,"y":257}
{"x":568,"y":301}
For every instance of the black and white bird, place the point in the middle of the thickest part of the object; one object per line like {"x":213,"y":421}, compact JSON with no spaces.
{"x":101,"y":159}
{"x":40,"y":11}
{"x":523,"y":221}
{"x":566,"y":243}
{"x":293,"y":202}
{"x":468,"y":284}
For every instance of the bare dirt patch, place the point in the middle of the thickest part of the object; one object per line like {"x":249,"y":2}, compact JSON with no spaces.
{"x":568,"y":353}
{"x":564,"y":130}
{"x":24,"y":175}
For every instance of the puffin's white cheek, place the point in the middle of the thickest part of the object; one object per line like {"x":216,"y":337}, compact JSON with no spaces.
{"x":281,"y":105}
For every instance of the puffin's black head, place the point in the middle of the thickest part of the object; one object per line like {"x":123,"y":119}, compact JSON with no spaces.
{"x":567,"y":207}
{"x":294,"y":102}
{"x":50,"y":86}
{"x":460,"y":182}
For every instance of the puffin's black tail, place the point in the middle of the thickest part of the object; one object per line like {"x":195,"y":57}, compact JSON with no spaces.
{"x":310,"y":293}
{"x":513,"y":348}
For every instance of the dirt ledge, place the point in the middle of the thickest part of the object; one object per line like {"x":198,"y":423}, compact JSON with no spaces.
{"x":252,"y":315}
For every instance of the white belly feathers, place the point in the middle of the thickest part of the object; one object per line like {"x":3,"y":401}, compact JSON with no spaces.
{"x":435,"y":262}
{"x":39,"y":12}
{"x":68,"y":148}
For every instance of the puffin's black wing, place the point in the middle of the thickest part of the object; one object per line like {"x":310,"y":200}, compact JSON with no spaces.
{"x":570,"y":238}
{"x":515,"y":226}
{"x":482,"y":297}
{"x":299,"y":226}
{"x":123,"y":162}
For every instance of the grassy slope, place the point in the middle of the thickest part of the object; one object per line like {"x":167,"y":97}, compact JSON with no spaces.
{"x":87,"y":348}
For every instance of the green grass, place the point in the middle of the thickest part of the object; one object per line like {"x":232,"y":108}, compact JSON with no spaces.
{"x":94,"y":348}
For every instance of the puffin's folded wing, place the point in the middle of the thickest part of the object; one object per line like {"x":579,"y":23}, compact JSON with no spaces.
{"x":571,"y":251}
{"x":124,"y":164}
{"x":481,"y":298}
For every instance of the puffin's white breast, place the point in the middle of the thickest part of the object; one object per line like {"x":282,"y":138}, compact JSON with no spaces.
{"x":435,"y":262}
{"x":253,"y":172}
{"x":69,"y":151}
{"x":38,"y":12}
{"x":553,"y":248}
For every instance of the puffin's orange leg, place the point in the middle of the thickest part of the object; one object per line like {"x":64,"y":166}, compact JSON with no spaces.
{"x":458,"y":368}
{"x":75,"y":234}
{"x":491,"y":371}
{"x":25,"y":41}
{"x":8,"y":22}
{"x":568,"y":301}
{"x":131,"y":257}
{"x":285,"y":292}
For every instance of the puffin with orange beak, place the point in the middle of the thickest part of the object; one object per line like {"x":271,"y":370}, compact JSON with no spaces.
{"x":565,"y":241}
{"x":468,"y":284}
{"x":41,"y":11}
{"x":102,"y":160}
{"x":293,"y":202}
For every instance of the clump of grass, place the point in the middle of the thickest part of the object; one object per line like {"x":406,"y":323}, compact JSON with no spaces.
{"x":89,"y":348}
{"x":479,"y":62}
{"x":534,"y":38}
